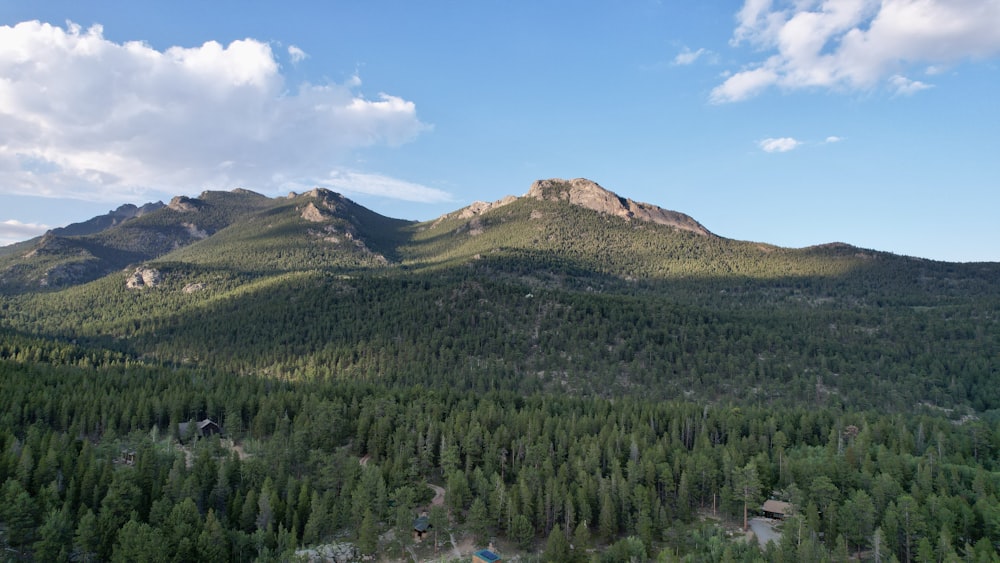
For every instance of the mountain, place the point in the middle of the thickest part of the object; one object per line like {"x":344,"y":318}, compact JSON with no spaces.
{"x":569,"y":358}
{"x":227,"y":223}
{"x":319,"y":228}
{"x":568,"y":287}
{"x":106,"y":221}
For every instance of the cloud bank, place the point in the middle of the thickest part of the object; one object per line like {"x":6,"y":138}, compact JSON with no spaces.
{"x":13,"y":230}
{"x":856,"y":44}
{"x":85,"y":117}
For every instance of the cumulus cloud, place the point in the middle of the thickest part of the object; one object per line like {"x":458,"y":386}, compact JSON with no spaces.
{"x":833,"y":139}
{"x":687,"y":56}
{"x":903,"y":86}
{"x":296,"y":54}
{"x":780,"y":144}
{"x":856,"y":44}
{"x":13,"y":230}
{"x":89,"y":118}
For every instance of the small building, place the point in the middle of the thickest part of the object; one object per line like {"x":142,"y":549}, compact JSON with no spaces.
{"x":485,"y":556}
{"x":202,"y":429}
{"x":776,"y":509}
{"x":420,"y":527}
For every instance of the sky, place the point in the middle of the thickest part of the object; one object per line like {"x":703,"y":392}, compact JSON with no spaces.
{"x":790,"y":122}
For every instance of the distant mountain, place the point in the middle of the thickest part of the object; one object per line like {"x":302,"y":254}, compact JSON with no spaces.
{"x":557,"y":224}
{"x":106,"y":221}
{"x":236,"y":222}
{"x":569,"y":287}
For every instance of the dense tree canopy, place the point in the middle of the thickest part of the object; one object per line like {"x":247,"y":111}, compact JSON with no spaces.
{"x":581,"y":386}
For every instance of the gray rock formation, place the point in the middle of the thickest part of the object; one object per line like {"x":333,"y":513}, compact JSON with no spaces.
{"x":142,"y":278}
{"x":588,"y":194}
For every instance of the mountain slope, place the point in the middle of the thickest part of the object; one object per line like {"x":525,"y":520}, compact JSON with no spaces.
{"x":559,"y":289}
{"x":238,"y":230}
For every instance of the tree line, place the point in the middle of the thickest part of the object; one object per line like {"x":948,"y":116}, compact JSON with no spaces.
{"x":554,"y":473}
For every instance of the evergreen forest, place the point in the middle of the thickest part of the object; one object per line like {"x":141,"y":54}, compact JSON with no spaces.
{"x":558,"y":381}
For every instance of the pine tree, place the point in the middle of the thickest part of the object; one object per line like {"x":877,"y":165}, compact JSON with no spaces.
{"x":556,"y":547}
{"x":55,"y":537}
{"x":747,"y":488}
{"x":213,"y":545}
{"x":522,"y":532}
{"x":478,"y":520}
{"x":86,"y":540}
{"x":368,"y":534}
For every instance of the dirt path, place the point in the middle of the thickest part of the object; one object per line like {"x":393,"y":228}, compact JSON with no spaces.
{"x":238,"y":448}
{"x":438,"y":495}
{"x":364,"y":461}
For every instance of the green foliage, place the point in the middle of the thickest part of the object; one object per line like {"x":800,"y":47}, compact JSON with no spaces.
{"x":559,"y":371}
{"x":368,"y":534}
{"x":539,"y":464}
{"x":557,"y":547}
{"x":55,"y":537}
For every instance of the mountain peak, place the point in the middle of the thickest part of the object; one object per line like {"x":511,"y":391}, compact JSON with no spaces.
{"x":589,"y":194}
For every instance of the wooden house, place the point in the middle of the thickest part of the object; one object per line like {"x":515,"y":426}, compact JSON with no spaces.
{"x":201,"y":429}
{"x":776,"y":509}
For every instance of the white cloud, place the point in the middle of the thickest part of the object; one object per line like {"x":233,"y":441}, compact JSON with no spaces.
{"x":296,"y":54}
{"x":13,"y":230}
{"x":84,"y":117}
{"x":781,"y":144}
{"x":687,"y":56}
{"x":378,"y":185}
{"x":855,"y":44}
{"x":743,"y":85}
{"x":833,"y":139}
{"x":903,"y":86}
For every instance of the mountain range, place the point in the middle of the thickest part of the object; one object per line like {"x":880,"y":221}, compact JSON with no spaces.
{"x":326,"y":230}
{"x":569,"y":287}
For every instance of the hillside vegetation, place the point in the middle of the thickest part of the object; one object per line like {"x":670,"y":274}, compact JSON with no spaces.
{"x":574,"y":367}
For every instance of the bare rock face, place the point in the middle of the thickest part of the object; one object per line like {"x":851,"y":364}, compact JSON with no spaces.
{"x":480,"y":207}
{"x":184,"y":204}
{"x":314,"y":214}
{"x":194,"y":231}
{"x":142,"y":278}
{"x":590,"y":195}
{"x":193,"y":287}
{"x":330,"y":553}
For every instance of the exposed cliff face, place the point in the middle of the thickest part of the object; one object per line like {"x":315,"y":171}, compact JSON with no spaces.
{"x":184,"y":204}
{"x":143,"y":278}
{"x":588,"y":194}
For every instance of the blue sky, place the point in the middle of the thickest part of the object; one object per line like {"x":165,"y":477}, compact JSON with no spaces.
{"x":789,"y":122}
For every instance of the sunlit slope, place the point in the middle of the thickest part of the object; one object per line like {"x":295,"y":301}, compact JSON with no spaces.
{"x":239,"y":231}
{"x":316,"y":230}
{"x":580,"y":292}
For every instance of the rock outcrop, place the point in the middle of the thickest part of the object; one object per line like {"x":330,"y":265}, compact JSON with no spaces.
{"x":330,"y":553}
{"x":184,"y":204}
{"x":142,"y":278}
{"x":480,"y":207}
{"x":193,"y":287}
{"x":588,"y":194}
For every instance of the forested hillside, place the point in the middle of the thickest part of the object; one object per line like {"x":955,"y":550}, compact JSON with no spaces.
{"x":584,"y":381}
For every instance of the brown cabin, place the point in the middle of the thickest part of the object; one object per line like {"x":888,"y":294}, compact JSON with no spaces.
{"x":201,"y":429}
{"x":776,"y":509}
